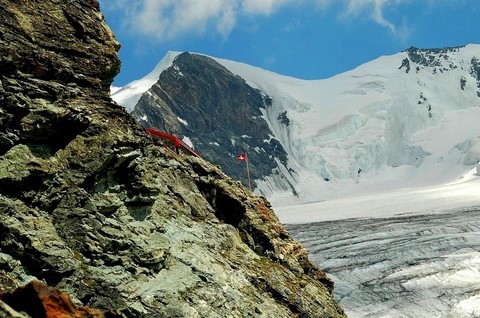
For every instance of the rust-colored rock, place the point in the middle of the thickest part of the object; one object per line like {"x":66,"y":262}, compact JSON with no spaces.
{"x":41,"y":301}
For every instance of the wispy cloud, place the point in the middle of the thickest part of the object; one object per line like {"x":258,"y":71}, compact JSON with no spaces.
{"x":375,"y":10}
{"x":167,"y":19}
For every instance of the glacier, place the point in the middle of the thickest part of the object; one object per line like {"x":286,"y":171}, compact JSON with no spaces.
{"x":413,"y":252}
{"x":408,"y":266}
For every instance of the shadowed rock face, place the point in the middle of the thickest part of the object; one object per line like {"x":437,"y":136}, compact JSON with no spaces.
{"x":90,"y":205}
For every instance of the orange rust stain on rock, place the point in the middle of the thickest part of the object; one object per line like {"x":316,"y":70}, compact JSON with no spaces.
{"x":41,"y":301}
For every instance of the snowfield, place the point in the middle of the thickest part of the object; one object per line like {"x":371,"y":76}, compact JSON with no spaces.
{"x":462,"y":193}
{"x":375,"y":128}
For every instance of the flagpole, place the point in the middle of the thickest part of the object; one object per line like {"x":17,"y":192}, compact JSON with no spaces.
{"x":248,"y":171}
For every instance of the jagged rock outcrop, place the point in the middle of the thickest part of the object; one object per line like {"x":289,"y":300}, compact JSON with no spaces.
{"x":219,"y":112}
{"x":90,"y":205}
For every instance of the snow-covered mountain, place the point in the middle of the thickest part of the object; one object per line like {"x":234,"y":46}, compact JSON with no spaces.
{"x":409,"y":119}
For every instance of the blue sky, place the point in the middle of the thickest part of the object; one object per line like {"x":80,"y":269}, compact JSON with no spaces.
{"x":309,"y":39}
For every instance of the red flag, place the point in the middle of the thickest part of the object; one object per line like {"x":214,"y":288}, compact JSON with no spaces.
{"x":242,"y":157}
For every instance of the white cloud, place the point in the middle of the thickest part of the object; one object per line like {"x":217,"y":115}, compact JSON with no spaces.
{"x":264,"y":6}
{"x":226,"y":22}
{"x":167,"y":19}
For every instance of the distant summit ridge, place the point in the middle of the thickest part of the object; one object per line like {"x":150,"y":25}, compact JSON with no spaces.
{"x":434,"y":51}
{"x":408,"y":119}
{"x":439,"y":56}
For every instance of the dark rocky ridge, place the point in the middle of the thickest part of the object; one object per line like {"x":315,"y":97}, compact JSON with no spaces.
{"x":222,"y":114}
{"x":91,"y":206}
{"x":429,"y":57}
{"x":435,"y":58}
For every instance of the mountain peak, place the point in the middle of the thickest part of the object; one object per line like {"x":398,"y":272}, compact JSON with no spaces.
{"x":199,"y":99}
{"x":357,"y":131}
{"x":431,"y":57}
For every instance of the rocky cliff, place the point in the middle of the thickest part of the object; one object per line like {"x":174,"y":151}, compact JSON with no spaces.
{"x":90,"y":205}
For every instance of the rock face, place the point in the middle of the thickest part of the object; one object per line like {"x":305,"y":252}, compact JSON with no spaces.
{"x":90,"y":205}
{"x":200,"y":99}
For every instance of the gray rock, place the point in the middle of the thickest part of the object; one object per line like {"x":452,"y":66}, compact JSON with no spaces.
{"x":89,"y":204}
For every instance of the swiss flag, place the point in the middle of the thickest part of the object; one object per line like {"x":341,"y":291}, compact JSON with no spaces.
{"x":242,"y":157}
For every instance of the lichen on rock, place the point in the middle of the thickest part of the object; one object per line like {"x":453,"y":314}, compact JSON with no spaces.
{"x":89,"y":204}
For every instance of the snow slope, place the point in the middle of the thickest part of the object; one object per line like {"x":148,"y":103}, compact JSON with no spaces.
{"x":374,"y":129}
{"x":129,"y":94}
